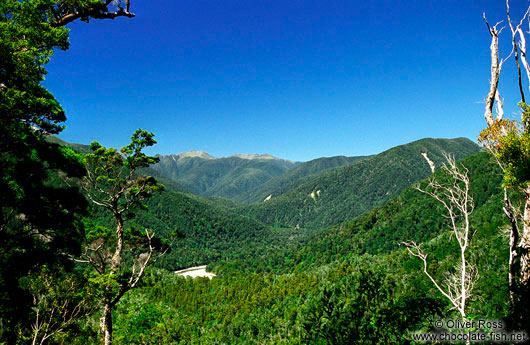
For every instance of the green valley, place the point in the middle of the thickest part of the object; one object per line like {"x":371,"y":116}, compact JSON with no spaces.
{"x":362,"y":236}
{"x":351,"y":283}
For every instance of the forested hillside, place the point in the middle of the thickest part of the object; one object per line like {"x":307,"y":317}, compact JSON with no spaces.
{"x":352,"y":283}
{"x":411,"y":216}
{"x":345,"y":192}
{"x":208,"y":233}
{"x":426,"y":242}
{"x":293,"y":178}
{"x":226,"y":177}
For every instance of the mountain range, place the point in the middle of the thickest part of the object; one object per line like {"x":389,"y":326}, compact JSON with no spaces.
{"x":302,"y":197}
{"x":351,"y":283}
{"x":312,"y":248}
{"x":313,"y":194}
{"x":227,"y":177}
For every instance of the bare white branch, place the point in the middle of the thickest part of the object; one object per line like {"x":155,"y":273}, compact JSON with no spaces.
{"x":454,"y":195}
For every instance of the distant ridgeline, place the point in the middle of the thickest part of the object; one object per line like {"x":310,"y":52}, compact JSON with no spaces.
{"x":340,"y":194}
{"x":293,"y":178}
{"x":226,"y":177}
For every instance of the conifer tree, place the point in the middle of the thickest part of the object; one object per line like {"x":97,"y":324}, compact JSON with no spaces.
{"x":39,"y":220}
{"x":111,"y":182}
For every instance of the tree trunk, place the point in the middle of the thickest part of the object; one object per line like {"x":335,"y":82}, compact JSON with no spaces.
{"x":524,"y":246}
{"x":106,"y":322}
{"x":116,"y":258}
{"x":521,"y":308}
{"x":513,"y":263}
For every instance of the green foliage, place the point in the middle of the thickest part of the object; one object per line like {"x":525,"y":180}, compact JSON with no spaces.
{"x":27,"y":41}
{"x":348,"y":191}
{"x":111,"y":180}
{"x":366,"y":307}
{"x":226,"y":177}
{"x":349,"y":284}
{"x":509,"y":141}
{"x":514,"y":152}
{"x":366,"y":300}
{"x":111,"y":183}
{"x":293,"y":178}
{"x":40,"y":214}
{"x":60,"y":300}
{"x":208,"y":232}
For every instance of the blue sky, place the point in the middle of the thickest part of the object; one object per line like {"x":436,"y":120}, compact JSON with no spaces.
{"x":295,"y":79}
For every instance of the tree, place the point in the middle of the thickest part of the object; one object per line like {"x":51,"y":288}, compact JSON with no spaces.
{"x":111,"y":182}
{"x":63,"y":12}
{"x":39,"y":218}
{"x":509,"y":142}
{"x":453,"y":195}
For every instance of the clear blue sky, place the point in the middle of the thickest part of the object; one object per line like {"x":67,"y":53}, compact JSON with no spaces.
{"x":295,"y":79}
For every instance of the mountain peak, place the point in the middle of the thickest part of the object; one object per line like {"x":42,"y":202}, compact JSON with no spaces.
{"x":254,"y":156}
{"x":206,"y":155}
{"x":198,"y":154}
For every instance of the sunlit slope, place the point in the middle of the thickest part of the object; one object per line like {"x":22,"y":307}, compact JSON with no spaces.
{"x":225,"y":177}
{"x":409,"y":216}
{"x":345,"y":192}
{"x":294,"y":177}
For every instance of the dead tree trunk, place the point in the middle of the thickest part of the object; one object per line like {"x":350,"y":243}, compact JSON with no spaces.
{"x":458,"y":203}
{"x":519,"y":260}
{"x":524,"y":245}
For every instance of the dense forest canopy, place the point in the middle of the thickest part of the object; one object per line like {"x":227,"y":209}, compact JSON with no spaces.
{"x":339,"y":250}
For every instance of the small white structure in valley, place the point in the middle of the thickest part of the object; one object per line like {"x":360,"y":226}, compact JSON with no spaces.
{"x":197,"y":271}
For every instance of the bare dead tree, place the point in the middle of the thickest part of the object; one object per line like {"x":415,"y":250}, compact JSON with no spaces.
{"x":455,"y":198}
{"x":496,"y":68}
{"x":522,"y":48}
{"x":514,"y":215}
{"x":515,"y":47}
{"x":494,"y":140}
